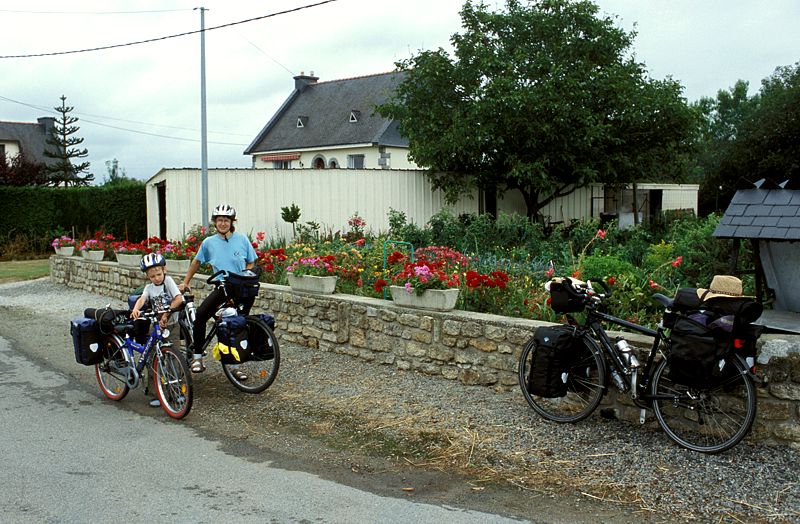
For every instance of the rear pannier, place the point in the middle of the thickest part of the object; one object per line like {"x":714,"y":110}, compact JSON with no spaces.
{"x":260,"y":343}
{"x":697,"y":355}
{"x":551,"y":361}
{"x":233,"y":346}
{"x":86,"y":340}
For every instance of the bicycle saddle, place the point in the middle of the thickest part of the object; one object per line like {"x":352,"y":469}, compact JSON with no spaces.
{"x":663,"y":300}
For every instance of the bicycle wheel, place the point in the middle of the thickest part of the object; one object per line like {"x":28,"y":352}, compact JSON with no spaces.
{"x":257,"y":374}
{"x":705,"y":420}
{"x":586,"y":381}
{"x":173,"y":382}
{"x":111,"y":372}
{"x":186,"y":342}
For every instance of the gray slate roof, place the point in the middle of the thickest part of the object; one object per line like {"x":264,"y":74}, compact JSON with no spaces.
{"x":328,"y":106}
{"x":772,"y":214}
{"x":31,"y":138}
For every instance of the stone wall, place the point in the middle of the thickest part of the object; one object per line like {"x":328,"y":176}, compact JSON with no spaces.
{"x":473,"y":348}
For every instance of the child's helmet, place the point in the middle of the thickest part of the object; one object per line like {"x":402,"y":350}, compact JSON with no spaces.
{"x":223,"y":210}
{"x":152,"y":260}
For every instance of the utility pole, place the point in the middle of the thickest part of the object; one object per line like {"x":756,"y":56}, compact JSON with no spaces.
{"x":203,"y":126}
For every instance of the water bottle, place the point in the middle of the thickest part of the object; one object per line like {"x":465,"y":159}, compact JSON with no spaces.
{"x":618,"y":380}
{"x":191,"y":311}
{"x":627,"y":353}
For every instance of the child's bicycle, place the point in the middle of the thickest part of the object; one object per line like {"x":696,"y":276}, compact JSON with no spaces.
{"x":259,"y":370}
{"x":124,"y":362}
{"x":564,"y":371}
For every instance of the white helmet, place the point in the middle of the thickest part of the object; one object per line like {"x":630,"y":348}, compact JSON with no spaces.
{"x":152,"y":260}
{"x":223,"y":210}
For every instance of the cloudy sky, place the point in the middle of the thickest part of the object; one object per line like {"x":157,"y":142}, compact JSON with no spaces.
{"x":140,"y":104}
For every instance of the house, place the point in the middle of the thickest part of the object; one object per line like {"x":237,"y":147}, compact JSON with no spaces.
{"x":769,"y":216}
{"x":27,"y":139}
{"x":332,"y":125}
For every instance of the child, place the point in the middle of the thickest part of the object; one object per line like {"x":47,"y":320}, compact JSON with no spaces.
{"x":163,"y":294}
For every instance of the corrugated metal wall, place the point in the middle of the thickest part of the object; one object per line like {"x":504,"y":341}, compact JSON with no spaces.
{"x":328,"y":197}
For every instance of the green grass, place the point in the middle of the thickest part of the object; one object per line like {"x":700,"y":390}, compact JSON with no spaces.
{"x":13,"y":271}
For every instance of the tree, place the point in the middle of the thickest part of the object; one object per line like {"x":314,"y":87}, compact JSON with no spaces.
{"x":19,"y":171}
{"x":541,"y":97}
{"x":291,"y":214}
{"x":63,"y":171}
{"x":117,"y":175}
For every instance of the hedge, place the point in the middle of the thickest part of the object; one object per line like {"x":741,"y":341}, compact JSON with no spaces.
{"x":34,"y":213}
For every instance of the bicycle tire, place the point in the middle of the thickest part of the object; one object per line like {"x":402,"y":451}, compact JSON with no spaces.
{"x":173,"y":383}
{"x":586,"y":384}
{"x":705,"y":420}
{"x":186,"y":342}
{"x":262,"y":370}
{"x":113,"y":384}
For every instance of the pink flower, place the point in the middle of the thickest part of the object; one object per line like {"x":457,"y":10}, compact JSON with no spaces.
{"x":677,"y":261}
{"x":549,"y":273}
{"x":601,"y":234}
{"x":408,"y":288}
{"x":260,"y":236}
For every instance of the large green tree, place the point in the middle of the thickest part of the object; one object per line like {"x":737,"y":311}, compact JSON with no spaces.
{"x":543,"y":97}
{"x":19,"y":171}
{"x":65,"y":172}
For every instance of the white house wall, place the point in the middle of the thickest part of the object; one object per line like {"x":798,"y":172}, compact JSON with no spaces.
{"x":398,"y":157}
{"x":328,"y":197}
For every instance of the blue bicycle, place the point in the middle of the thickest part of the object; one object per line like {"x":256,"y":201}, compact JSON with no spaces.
{"x":124,"y":361}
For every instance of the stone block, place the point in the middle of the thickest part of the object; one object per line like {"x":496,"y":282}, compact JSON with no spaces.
{"x":421,"y":336}
{"x":440,"y":353}
{"x":451,"y":327}
{"x":403,"y":364}
{"x":376,"y":325}
{"x":448,"y":341}
{"x":358,"y":338}
{"x":785,"y":391}
{"x":407,"y":319}
{"x":495,"y":333}
{"x":471,"y":329}
{"x":367,"y":355}
{"x":414,"y":349}
{"x":482,"y":344}
{"x":310,"y":331}
{"x":450,"y":372}
{"x":387,"y":315}
{"x":470,"y":377}
{"x":518,"y":336}
{"x":505,"y":349}
{"x":771,"y":410}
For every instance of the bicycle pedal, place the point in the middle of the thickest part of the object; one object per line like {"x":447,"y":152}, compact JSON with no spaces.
{"x":642,"y":414}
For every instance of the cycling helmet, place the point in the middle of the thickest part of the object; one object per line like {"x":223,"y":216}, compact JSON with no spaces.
{"x":223,"y":210}
{"x":152,"y":260}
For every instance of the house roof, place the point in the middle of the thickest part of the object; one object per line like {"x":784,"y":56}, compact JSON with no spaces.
{"x":768,"y":212}
{"x":326,"y":109}
{"x":30,"y":136}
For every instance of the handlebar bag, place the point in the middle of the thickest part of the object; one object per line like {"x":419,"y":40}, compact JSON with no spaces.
{"x":232,"y":347}
{"x":86,"y":340}
{"x":697,"y":354}
{"x":260,"y":343}
{"x":564,"y":299}
{"x":242,"y":286}
{"x":551,"y":361}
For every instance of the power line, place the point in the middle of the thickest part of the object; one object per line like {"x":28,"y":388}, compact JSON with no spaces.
{"x":231,"y":24}
{"x":90,"y":12}
{"x":78,"y":113}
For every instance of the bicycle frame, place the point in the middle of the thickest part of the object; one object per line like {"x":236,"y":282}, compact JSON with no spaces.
{"x":152,"y":344}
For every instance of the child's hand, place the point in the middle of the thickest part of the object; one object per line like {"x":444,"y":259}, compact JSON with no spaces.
{"x":135,"y":313}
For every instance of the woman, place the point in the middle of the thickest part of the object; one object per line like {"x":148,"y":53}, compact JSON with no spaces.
{"x":229,"y":251}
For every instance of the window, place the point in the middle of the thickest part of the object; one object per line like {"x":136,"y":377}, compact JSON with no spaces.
{"x":354,"y":116}
{"x":282,"y":164}
{"x":302,"y":121}
{"x":355,"y":161}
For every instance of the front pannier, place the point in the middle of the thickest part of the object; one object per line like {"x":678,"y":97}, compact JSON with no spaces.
{"x":696,"y":356}
{"x":233,"y":346}
{"x":86,"y":340}
{"x":552,"y":358}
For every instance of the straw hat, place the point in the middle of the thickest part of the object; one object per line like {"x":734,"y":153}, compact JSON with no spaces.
{"x":722,"y":286}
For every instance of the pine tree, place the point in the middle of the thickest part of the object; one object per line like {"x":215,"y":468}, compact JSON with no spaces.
{"x":63,"y":171}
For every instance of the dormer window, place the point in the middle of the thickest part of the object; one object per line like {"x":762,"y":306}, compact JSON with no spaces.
{"x":354,"y":116}
{"x":302,"y":121}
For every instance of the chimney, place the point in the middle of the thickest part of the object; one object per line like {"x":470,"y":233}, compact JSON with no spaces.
{"x":47,"y":123}
{"x":302,"y":81}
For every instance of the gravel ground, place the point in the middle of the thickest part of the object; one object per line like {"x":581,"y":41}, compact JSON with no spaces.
{"x":491,"y":437}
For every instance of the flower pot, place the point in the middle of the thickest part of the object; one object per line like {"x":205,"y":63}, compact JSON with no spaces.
{"x":94,"y":256}
{"x":312,"y":284}
{"x":65,"y":251}
{"x":125,"y":259}
{"x":436,"y":299}
{"x":178,"y":267}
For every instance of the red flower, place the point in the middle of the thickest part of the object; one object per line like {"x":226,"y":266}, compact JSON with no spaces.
{"x":601,"y":234}
{"x":395,"y":257}
{"x":379,"y":285}
{"x":677,"y":261}
{"x":611,"y":281}
{"x":361,"y":241}
{"x":549,"y":273}
{"x":652,"y":284}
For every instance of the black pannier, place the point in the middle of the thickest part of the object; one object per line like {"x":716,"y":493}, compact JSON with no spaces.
{"x":260,"y":345}
{"x":697,"y":354}
{"x":233,"y":345}
{"x":242,"y":286}
{"x":551,"y":361}
{"x":86,"y":340}
{"x":564,"y":299}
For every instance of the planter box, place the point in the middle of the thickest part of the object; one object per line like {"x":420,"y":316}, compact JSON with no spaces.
{"x":178,"y":267}
{"x":311,"y":284}
{"x":94,"y":256}
{"x":128,"y":260}
{"x":435,"y":299}
{"x":65,"y":251}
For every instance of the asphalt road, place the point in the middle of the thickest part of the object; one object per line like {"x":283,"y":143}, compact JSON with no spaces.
{"x":70,"y":456}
